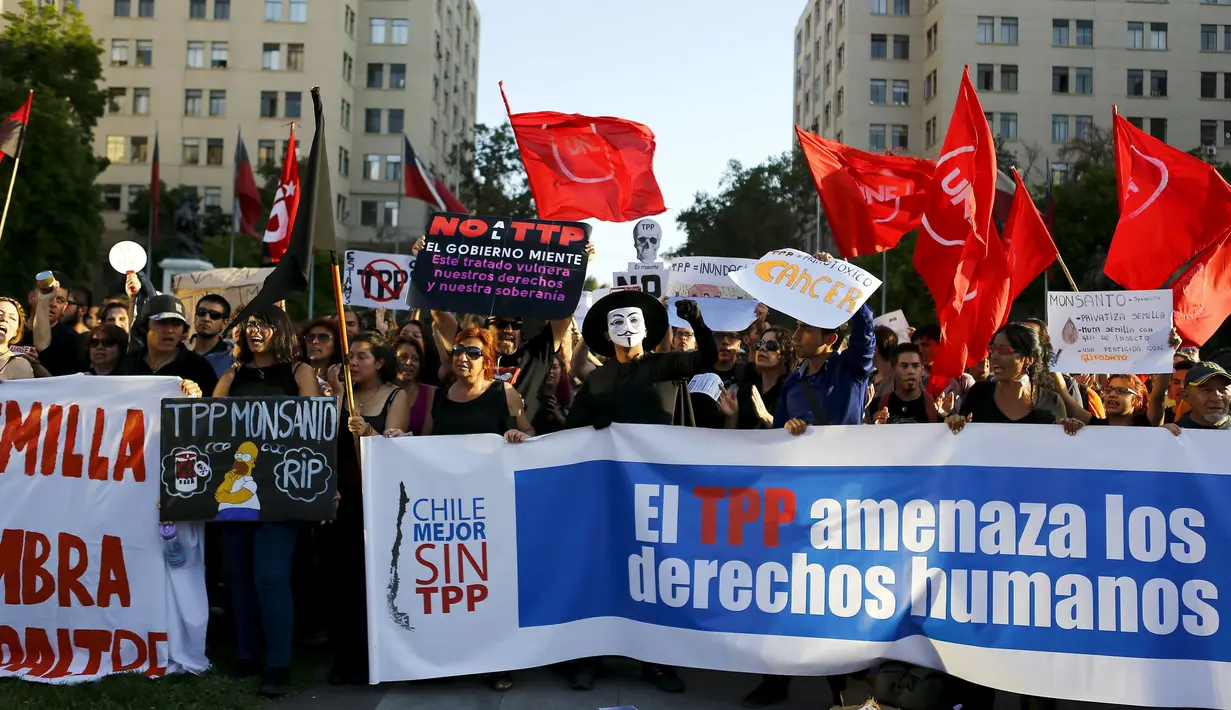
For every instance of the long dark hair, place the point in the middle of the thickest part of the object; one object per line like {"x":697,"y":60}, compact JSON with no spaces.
{"x":387,"y":372}
{"x":329,"y":324}
{"x":786,"y":346}
{"x":284,"y":342}
{"x":1026,"y":341}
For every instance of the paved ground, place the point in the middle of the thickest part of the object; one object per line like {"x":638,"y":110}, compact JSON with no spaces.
{"x":545,"y":690}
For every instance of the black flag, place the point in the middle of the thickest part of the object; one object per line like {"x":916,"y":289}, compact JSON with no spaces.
{"x":290,"y":276}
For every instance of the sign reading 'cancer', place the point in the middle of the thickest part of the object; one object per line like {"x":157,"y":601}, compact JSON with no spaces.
{"x":824,"y":294}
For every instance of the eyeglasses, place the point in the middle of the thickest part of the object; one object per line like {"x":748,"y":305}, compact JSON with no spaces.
{"x":257,"y":326}
{"x":207,"y":313}
{"x":103,"y":343}
{"x":318,"y":338}
{"x":471,"y":351}
{"x":502,"y":323}
{"x":769,"y":345}
{"x":1001,"y":350}
{"x":1122,"y":391}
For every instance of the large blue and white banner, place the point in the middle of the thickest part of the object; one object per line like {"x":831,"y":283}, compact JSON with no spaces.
{"x":1085,"y":567}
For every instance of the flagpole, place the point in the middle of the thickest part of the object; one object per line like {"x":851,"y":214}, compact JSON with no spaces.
{"x":884,"y":280}
{"x":235,"y":217}
{"x":21,"y":143}
{"x":345,"y":344}
{"x":312,"y":288}
{"x":818,"y":225}
{"x":397,"y":243}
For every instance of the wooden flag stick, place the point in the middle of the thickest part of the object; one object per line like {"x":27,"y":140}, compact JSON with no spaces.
{"x":21,"y":143}
{"x":345,"y":341}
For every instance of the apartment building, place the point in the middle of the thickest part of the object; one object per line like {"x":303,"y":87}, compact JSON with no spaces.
{"x":883,"y":74}
{"x":197,"y":71}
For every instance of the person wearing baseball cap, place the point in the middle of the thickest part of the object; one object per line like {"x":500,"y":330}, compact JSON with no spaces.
{"x":164,"y":324}
{"x":1207,"y":391}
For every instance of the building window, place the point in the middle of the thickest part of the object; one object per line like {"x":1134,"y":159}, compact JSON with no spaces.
{"x":196,"y":9}
{"x":1008,"y":77}
{"x":217,"y":102}
{"x":933,"y":38}
{"x":1158,"y":35}
{"x":116,"y":98}
{"x":349,"y":22}
{"x":399,"y":32}
{"x":880,"y":46}
{"x":1060,"y":80}
{"x":341,"y":214}
{"x":397,"y":76}
{"x":880,"y":7}
{"x":1136,"y":82}
{"x":899,"y":137}
{"x":1136,"y":35}
{"x":371,"y":167}
{"x":119,"y":52}
{"x":1008,"y":126}
{"x":1008,"y":30}
{"x":828,"y":33}
{"x":371,"y":120}
{"x":376,"y":76}
{"x":192,"y":151}
{"x":219,"y":55}
{"x":196,"y":55}
{"x":213,"y":198}
{"x":1137,"y":122}
{"x":141,"y":102}
{"x":294,"y":57}
{"x":123,"y":8}
{"x":115,"y":149}
{"x":984,"y":74}
{"x":139,"y":149}
{"x":825,"y":116}
{"x":299,"y":10}
{"x":878,"y":92}
{"x":273,"y":10}
{"x":145,"y":8}
{"x":1226,"y":85}
{"x":901,"y":7}
{"x":1085,"y":33}
{"x":1158,"y":83}
{"x":222,"y":9}
{"x":348,"y":67}
{"x":841,"y":56}
{"x":987,"y":30}
{"x":1083,"y":127}
{"x":1209,"y":38}
{"x":901,"y":46}
{"x":839,"y":102}
{"x":1226,"y":38}
{"x":901,"y":92}
{"x":213,"y":151}
{"x":1059,"y":129}
{"x":1209,"y":85}
{"x":393,"y":167}
{"x":1060,"y":33}
{"x":271,"y":57}
{"x":345,"y":114}
{"x":1158,"y":128}
{"x":1084,"y":80}
{"x":928,"y":88}
{"x":397,"y":120}
{"x":1209,"y":133}
{"x":192,"y":102}
{"x":376,"y":30}
{"x":269,"y":104}
{"x":112,"y":197}
{"x":294,"y":104}
{"x":368,"y":213}
{"x":343,"y":162}
{"x":266,"y":152}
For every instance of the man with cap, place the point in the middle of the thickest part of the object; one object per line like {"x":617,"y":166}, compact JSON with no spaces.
{"x":164,"y":325}
{"x":636,"y":386}
{"x":1207,"y":391}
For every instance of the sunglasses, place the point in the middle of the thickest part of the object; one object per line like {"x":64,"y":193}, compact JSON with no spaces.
{"x":471,"y":351}
{"x":207,"y":313}
{"x":502,"y":323}
{"x":769,"y":345}
{"x":103,"y":343}
{"x":318,"y":338}
{"x":257,"y":326}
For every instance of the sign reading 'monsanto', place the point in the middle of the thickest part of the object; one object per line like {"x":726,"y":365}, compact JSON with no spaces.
{"x":820,"y":293}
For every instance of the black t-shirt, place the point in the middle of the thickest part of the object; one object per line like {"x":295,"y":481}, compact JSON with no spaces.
{"x":1139,"y":419}
{"x":527,"y":368}
{"x":1187,"y":422}
{"x":980,"y":402}
{"x":737,"y":375}
{"x":66,"y":354}
{"x":902,"y":411}
{"x":186,"y":364}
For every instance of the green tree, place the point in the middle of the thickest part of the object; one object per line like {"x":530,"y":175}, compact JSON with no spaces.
{"x":1005,"y":158}
{"x":493,"y":179}
{"x":55,"y":219}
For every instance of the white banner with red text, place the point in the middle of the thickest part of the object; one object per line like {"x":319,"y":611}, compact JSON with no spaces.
{"x":86,"y":587}
{"x":1085,"y":568}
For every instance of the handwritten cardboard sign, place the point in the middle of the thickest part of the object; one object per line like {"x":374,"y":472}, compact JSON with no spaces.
{"x":249,"y":458}
{"x":375,"y":280}
{"x":706,"y":277}
{"x":502,"y":266}
{"x":651,"y":280}
{"x":824,"y":294}
{"x":1110,"y":332}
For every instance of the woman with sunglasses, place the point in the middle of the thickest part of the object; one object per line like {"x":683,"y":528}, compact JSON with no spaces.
{"x":419,"y":396}
{"x":259,"y":554}
{"x":105,"y":346}
{"x":320,"y":338}
{"x":1020,"y":389}
{"x":476,"y":403}
{"x":773,"y":357}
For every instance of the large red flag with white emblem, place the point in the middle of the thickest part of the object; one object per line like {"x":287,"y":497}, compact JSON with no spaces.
{"x":286,"y":204}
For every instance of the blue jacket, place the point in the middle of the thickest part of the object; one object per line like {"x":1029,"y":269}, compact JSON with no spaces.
{"x":840,"y":386}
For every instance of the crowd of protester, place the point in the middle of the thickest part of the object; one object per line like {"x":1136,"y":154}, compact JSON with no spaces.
{"x":447,"y":374}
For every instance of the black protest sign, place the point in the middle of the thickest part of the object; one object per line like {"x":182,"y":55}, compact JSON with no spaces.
{"x":249,"y":458}
{"x":502,"y":266}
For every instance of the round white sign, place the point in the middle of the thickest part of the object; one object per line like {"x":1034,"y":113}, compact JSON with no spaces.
{"x":127,"y":257}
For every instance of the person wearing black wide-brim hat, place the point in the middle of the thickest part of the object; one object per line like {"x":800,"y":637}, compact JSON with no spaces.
{"x":637,"y":386}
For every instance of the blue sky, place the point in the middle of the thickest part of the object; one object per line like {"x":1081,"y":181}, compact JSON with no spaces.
{"x":711,"y":79}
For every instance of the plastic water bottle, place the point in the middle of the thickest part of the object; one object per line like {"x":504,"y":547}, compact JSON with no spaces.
{"x":170,"y":540}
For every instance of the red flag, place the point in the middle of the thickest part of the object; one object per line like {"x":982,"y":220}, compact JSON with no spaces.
{"x":1202,"y":294}
{"x":958,"y":253}
{"x":1172,"y":206}
{"x":286,"y":204}
{"x":587,"y":166}
{"x":13,"y":129}
{"x":155,"y":195}
{"x":247,"y":207}
{"x":452,"y":204}
{"x":870,"y":200}
{"x":1030,"y":246}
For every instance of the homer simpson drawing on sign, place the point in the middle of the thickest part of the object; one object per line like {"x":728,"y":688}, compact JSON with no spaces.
{"x":236,"y":496}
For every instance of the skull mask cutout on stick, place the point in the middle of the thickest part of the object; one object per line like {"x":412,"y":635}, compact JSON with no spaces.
{"x":646,"y":237}
{"x":626,"y":326}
